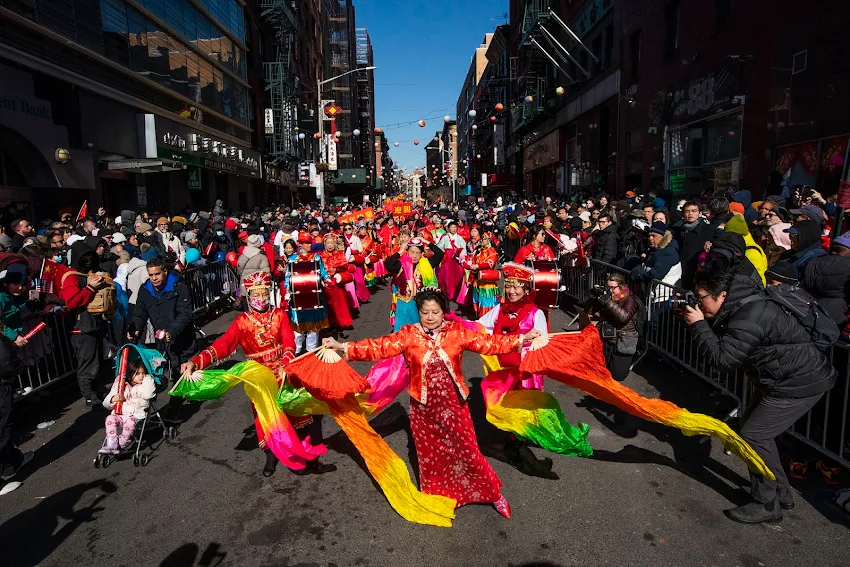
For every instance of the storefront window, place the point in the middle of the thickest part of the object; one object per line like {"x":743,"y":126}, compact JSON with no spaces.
{"x":723,"y":139}
{"x":686,"y":148}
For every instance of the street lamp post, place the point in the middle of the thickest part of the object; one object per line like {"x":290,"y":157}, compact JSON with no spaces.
{"x":322,"y":119}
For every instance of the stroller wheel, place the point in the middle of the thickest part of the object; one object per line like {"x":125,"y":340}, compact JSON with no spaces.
{"x":106,"y":461}
{"x":145,"y":459}
{"x":172,"y":432}
{"x":135,"y":460}
{"x":97,"y":461}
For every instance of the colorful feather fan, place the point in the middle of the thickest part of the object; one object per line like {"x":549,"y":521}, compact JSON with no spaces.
{"x":326,"y":375}
{"x":576,"y":360}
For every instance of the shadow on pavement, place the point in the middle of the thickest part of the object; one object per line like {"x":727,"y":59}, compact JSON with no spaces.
{"x":35,"y":532}
{"x":187,"y":556}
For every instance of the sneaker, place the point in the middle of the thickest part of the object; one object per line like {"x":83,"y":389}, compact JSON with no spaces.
{"x":94,"y":402}
{"x":10,"y":471}
{"x":798,"y":469}
{"x":756,"y":513}
{"x":830,"y":474}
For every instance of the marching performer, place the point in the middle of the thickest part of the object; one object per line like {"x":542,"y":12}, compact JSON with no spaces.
{"x":265,"y":335}
{"x":518,"y":314}
{"x":482,"y":275}
{"x":411,"y":271}
{"x":454,"y":252}
{"x":354,"y":254}
{"x":307,"y":323}
{"x":536,"y":249}
{"x":370,"y":256}
{"x":340,"y":272}
{"x":450,"y":462}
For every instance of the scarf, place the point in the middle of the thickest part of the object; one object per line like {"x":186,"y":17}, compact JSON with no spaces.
{"x":621,"y":293}
{"x":425,"y":270}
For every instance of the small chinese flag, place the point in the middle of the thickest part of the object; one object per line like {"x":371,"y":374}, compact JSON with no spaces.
{"x":84,"y":211}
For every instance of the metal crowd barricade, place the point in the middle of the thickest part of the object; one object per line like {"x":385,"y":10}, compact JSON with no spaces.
{"x":211,"y":285}
{"x":825,"y":428}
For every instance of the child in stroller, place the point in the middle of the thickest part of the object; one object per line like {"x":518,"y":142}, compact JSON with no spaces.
{"x":139,"y":390}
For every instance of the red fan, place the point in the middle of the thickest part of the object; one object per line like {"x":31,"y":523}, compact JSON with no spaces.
{"x":326,"y":375}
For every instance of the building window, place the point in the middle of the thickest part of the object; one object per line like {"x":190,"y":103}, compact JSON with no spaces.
{"x":634,"y":140}
{"x":722,"y":12}
{"x":634,"y":51}
{"x":671,"y":22}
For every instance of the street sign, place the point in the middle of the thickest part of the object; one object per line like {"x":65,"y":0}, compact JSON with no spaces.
{"x":269,"y":121}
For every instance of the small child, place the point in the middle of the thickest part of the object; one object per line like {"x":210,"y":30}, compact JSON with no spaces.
{"x":139,"y":390}
{"x":14,"y":294}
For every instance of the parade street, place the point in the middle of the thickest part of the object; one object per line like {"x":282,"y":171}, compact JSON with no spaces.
{"x":647,"y":497}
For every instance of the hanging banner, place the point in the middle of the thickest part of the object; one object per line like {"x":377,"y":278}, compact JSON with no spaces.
{"x":367,"y":214}
{"x":269,"y":121}
{"x":332,"y":160}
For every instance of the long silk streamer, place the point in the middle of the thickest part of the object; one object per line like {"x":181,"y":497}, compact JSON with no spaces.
{"x":387,"y":468}
{"x":577,"y":360}
{"x":261,"y":388}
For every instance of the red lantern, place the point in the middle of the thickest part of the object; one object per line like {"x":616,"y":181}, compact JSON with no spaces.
{"x":415,"y":142}
{"x":500,"y":107}
{"x":492,"y":119}
{"x":232,"y":258}
{"x":421,"y":123}
{"x":317,"y":136}
{"x":378,"y":130}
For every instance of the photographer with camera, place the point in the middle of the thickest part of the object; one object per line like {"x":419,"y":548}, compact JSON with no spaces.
{"x":621,"y":314}
{"x":753,"y":332}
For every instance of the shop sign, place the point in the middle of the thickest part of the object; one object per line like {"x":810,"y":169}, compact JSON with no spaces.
{"x":193,"y":179}
{"x":177,"y":142}
{"x":272,"y":174}
{"x":706,"y":94}
{"x":678,"y":181}
{"x":269,"y":120}
{"x":593,"y":11}
{"x":332,"y":157}
{"x":142,"y":196}
{"x":543,"y":152}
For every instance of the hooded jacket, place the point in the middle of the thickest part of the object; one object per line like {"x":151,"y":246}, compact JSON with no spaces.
{"x":662,"y":263}
{"x":746,"y":199}
{"x":808,"y":245}
{"x":827,"y":278}
{"x":251,"y":260}
{"x":128,"y":222}
{"x":168,"y":309}
{"x":691,"y":242}
{"x":753,"y":252}
{"x":754,"y":334}
{"x":606,"y":244}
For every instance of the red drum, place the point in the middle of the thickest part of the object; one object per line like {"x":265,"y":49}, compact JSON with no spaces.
{"x":305,"y":285}
{"x":490,"y":276}
{"x":546,"y":283}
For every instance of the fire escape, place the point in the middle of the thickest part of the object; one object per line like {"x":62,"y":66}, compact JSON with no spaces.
{"x":281,"y":83}
{"x":543,"y":56}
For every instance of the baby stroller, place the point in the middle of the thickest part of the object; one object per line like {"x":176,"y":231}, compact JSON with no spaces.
{"x":159,"y":369}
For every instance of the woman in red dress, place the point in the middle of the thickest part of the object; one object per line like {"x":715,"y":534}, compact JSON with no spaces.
{"x":536,"y":249}
{"x":450,"y":462}
{"x":341,"y":272}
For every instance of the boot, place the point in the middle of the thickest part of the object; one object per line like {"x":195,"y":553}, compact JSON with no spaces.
{"x":111,"y":446}
{"x":503,"y":507}
{"x":756,"y":513}
{"x":786,"y":498}
{"x":271,"y":464}
{"x":524,"y":460}
{"x":315,"y":467}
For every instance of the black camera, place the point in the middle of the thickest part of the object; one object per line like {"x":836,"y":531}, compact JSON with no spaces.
{"x":678,"y":302}
{"x":599,"y":293}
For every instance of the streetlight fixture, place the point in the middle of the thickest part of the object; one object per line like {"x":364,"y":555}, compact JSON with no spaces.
{"x":322,"y":120}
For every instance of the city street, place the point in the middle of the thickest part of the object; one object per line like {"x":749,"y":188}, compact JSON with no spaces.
{"x":644,"y":499}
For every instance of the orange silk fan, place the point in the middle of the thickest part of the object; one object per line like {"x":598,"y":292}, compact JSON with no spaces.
{"x":326,"y":375}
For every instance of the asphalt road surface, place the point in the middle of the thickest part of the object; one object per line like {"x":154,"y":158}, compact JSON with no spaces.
{"x":649,"y":496}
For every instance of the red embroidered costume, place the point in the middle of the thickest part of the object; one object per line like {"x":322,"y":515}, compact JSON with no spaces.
{"x":337,"y":265}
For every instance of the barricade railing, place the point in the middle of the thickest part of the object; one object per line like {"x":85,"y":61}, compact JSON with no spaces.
{"x":49,"y":355}
{"x":825,"y":428}
{"x":210,"y":285}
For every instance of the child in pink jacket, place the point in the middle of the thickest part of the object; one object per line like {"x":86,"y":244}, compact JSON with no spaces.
{"x":139,"y":390}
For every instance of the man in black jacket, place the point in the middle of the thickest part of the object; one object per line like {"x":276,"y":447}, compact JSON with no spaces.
{"x":164,"y":300}
{"x":752,"y":333}
{"x":607,"y":242}
{"x":691,"y":233}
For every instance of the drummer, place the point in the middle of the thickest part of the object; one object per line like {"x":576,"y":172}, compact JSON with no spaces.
{"x":482,"y":275}
{"x":307,"y":321}
{"x":536,"y":249}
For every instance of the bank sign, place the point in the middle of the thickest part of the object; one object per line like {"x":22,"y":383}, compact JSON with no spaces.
{"x":179,"y":143}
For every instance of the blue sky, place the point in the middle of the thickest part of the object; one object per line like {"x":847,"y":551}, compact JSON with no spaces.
{"x":422,"y":49}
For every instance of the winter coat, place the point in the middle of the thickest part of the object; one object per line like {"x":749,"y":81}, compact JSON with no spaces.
{"x":168,"y":309}
{"x":827,"y":278}
{"x":128,"y":222}
{"x":746,"y":199}
{"x":251,"y":260}
{"x":691,"y":243}
{"x":621,"y":314}
{"x":606,"y":244}
{"x":662,"y":263}
{"x":77,"y":294}
{"x":765,"y":341}
{"x":171,"y":243}
{"x":137,"y":275}
{"x":137,"y":397}
{"x":808,"y":246}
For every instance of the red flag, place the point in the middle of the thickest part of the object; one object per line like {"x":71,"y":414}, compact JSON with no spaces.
{"x":84,"y":211}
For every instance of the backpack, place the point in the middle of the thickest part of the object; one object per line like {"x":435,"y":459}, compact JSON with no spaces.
{"x":805,"y":308}
{"x":105,"y":300}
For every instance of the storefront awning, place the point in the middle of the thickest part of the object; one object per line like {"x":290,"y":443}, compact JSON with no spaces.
{"x":144,"y":165}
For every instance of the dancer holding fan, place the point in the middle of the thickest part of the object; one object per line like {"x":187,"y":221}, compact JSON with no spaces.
{"x":411,"y":272}
{"x":450,"y":462}
{"x":266,"y":336}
